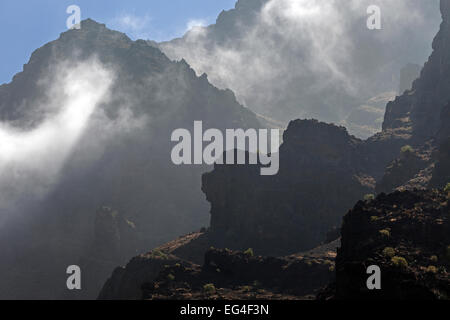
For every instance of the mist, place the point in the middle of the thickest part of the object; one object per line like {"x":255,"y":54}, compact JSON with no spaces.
{"x":288,"y":59}
{"x":31,"y":160}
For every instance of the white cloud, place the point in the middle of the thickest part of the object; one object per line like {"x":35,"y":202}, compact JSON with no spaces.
{"x":196,"y":23}
{"x":135,"y":26}
{"x":31,"y":160}
{"x":310,"y":58}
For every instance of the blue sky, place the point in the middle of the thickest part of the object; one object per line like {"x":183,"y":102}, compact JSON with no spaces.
{"x":27,"y":25}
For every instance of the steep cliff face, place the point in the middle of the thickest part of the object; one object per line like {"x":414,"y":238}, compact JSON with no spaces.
{"x":418,"y":111}
{"x":441,"y":172}
{"x":406,"y":234}
{"x":321,"y":175}
{"x":409,"y":166}
{"x":418,"y":118}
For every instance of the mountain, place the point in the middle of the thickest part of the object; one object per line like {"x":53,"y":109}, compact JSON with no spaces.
{"x":321,"y":176}
{"x":275,"y":57}
{"x":324,"y":171}
{"x":119,"y":156}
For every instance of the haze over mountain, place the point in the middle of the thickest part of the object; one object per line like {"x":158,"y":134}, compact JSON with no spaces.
{"x":86,"y":124}
{"x":288,"y":59}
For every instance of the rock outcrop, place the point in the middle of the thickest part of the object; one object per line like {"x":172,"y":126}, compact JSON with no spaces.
{"x":173,"y":272}
{"x":405,"y":169}
{"x":321,"y":176}
{"x":236,"y":275}
{"x":406,"y":234}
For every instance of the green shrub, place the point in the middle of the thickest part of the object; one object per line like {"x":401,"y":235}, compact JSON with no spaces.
{"x":447,"y":188}
{"x":385,"y":233}
{"x":399,"y":262}
{"x":407,"y":149}
{"x":389,"y":252}
{"x":432,"y":269}
{"x":256,"y":283}
{"x":158,"y":254}
{"x":249,"y":252}
{"x":170,"y":277}
{"x":209,"y":288}
{"x":130,"y":223}
{"x":374,"y":218}
{"x":246,"y":288}
{"x":369,"y":197}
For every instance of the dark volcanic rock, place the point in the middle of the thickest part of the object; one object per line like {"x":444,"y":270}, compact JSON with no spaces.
{"x":236,"y":275}
{"x":168,"y":272}
{"x":441,"y":173}
{"x":125,"y":282}
{"x":403,"y":169}
{"x":407,"y":234}
{"x":321,"y":176}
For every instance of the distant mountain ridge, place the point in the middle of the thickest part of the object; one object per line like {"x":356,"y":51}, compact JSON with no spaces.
{"x":273,"y":56}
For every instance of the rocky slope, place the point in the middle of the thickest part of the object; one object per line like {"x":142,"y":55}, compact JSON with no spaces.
{"x":234,"y":275}
{"x":406,"y":234}
{"x":222,"y":274}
